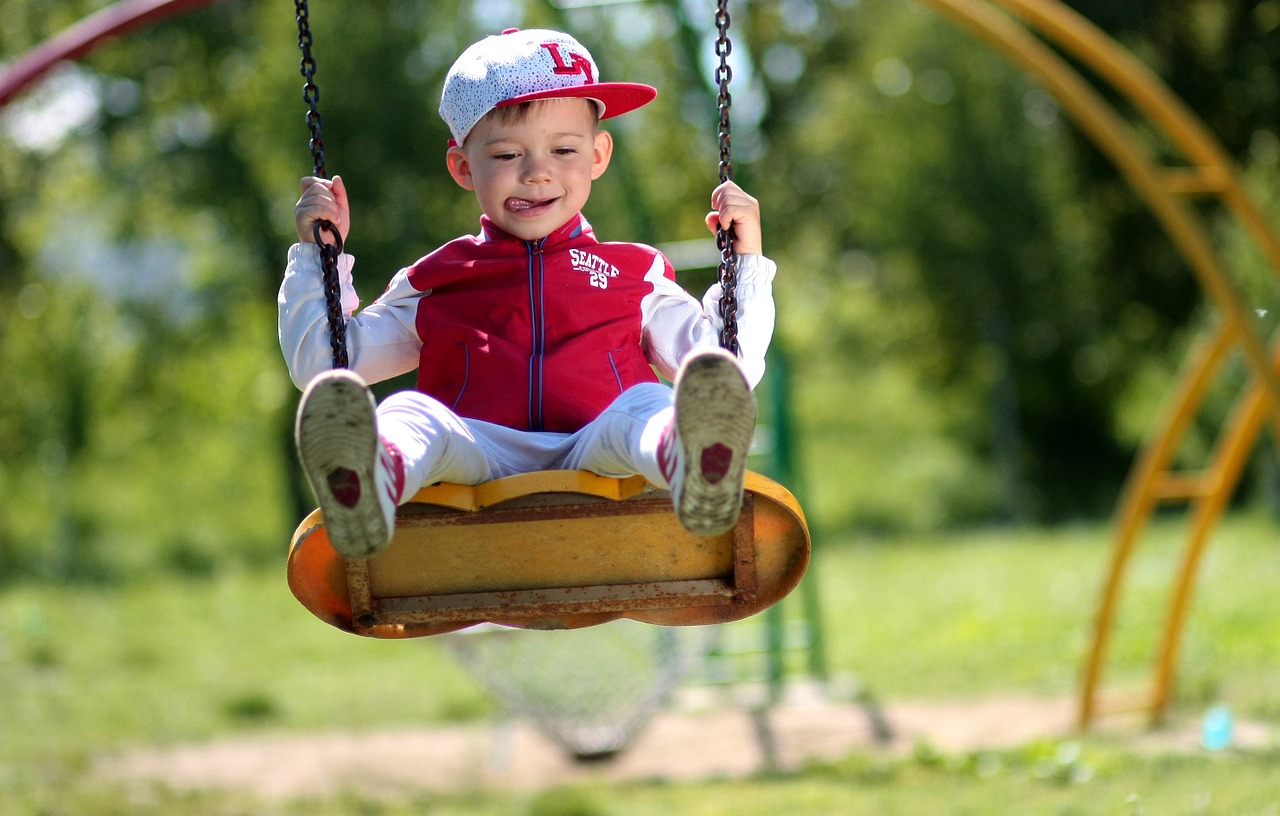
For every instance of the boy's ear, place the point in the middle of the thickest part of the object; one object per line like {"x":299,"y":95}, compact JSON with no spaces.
{"x":460,"y":167}
{"x":601,"y":153}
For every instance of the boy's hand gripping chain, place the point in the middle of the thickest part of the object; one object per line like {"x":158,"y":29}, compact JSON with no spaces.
{"x":724,"y":238}
{"x":329,"y":252}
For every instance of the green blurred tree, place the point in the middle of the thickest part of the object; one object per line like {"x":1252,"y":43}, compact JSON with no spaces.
{"x":1006,"y":302}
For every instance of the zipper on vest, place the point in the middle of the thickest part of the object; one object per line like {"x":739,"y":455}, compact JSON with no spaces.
{"x":537,"y":278}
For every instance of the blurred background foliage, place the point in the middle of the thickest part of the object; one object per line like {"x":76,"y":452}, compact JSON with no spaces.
{"x":978,"y":320}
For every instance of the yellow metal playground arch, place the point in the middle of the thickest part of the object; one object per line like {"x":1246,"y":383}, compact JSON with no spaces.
{"x":1012,"y":26}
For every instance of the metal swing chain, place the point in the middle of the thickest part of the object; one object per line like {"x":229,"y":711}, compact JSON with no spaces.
{"x":329,"y":252}
{"x":724,"y":238}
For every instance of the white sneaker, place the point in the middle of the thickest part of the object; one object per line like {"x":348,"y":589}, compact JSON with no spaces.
{"x":347,"y":464}
{"x":715,"y":416}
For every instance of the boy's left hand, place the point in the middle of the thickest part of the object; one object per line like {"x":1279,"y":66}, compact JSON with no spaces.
{"x":732,"y":208}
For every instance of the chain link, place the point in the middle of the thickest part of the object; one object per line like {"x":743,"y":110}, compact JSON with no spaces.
{"x":724,"y":238}
{"x":310,"y":91}
{"x":329,"y":252}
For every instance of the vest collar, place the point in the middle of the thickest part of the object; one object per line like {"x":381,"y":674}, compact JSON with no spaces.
{"x":573,"y":228}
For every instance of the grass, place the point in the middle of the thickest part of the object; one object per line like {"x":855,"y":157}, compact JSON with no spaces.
{"x":86,"y":672}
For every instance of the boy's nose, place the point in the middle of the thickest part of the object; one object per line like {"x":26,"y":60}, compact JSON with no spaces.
{"x":536,"y":169}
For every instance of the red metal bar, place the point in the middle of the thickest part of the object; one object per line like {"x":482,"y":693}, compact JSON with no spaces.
{"x":81,"y":38}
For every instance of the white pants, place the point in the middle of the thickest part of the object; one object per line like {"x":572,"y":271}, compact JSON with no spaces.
{"x":439,"y":446}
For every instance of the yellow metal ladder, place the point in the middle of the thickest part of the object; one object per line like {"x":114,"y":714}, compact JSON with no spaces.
{"x":1011,"y":27}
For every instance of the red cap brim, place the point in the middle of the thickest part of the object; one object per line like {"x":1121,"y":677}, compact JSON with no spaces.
{"x":617,"y":97}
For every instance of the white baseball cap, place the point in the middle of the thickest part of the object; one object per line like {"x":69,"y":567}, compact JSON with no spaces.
{"x":523,"y":65}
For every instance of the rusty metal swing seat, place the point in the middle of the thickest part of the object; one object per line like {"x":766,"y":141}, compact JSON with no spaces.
{"x":553,"y":550}
{"x":550,"y":549}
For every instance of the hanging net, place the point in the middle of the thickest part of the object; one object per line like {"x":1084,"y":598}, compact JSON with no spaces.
{"x":591,"y":690}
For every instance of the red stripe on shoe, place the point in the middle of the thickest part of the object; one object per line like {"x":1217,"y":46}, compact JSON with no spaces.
{"x":715,"y":462}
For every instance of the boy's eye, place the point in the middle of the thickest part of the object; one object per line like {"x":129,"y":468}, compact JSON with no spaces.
{"x":565,"y":151}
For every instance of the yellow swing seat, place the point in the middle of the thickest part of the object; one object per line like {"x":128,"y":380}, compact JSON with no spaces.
{"x":554,"y":549}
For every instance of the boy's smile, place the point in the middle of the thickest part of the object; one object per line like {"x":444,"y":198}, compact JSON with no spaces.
{"x":532,"y":171}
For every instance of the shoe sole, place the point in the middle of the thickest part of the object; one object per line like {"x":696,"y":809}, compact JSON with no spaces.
{"x":337,"y":441}
{"x":715,"y":419}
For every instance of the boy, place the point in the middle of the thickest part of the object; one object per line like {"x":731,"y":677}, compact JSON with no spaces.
{"x":535,"y":344}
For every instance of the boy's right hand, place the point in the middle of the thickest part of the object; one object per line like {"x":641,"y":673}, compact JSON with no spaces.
{"x":322,"y":200}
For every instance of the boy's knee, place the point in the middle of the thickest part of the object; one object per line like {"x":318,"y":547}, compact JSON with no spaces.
{"x":643,"y":400}
{"x":415,"y":409}
{"x":412,"y":402}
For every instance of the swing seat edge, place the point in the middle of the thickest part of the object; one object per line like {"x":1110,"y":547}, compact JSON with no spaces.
{"x":511,"y":552}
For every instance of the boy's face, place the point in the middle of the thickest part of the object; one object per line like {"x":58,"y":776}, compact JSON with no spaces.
{"x":533,"y":173}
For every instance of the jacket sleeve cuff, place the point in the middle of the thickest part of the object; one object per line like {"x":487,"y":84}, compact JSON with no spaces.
{"x":756,"y":270}
{"x":307,"y":256}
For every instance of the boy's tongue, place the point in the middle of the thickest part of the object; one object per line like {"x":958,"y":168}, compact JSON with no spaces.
{"x":516,"y":205}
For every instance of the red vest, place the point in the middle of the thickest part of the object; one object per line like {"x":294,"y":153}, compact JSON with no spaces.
{"x":534,"y":335}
